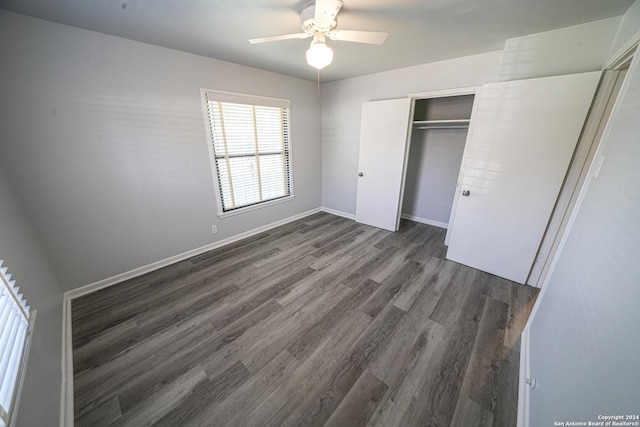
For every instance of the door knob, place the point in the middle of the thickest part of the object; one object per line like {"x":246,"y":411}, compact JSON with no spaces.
{"x":360,"y":174}
{"x":466,"y":193}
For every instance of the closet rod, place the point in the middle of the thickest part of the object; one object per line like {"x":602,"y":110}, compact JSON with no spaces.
{"x":441,"y":127}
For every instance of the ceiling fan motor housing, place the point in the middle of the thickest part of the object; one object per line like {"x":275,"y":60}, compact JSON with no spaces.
{"x":310,"y":25}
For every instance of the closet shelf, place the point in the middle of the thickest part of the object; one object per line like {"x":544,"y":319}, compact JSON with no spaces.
{"x":441,"y":124}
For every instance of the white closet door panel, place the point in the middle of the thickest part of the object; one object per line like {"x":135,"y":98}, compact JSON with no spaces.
{"x":383,"y":147}
{"x":522,"y":138}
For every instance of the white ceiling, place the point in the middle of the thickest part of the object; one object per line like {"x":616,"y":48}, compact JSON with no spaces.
{"x":421,"y":31}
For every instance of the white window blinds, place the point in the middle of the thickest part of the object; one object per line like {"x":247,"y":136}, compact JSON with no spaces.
{"x":250,"y":137}
{"x":14,"y":333}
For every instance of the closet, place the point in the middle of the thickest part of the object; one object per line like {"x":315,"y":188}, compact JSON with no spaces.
{"x":438,"y":135}
{"x":486,"y":163}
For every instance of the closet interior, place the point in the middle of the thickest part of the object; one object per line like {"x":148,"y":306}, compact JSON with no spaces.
{"x":437,"y":141}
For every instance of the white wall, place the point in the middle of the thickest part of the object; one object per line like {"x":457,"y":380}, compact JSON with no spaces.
{"x":584,"y":333}
{"x":29,"y":266}
{"x":629,"y":27}
{"x":584,"y":330}
{"x":342,"y":104}
{"x":104,"y":143}
{"x":576,"y":49}
{"x":579,"y":48}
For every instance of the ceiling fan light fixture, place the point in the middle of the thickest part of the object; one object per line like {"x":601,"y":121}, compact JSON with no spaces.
{"x":319,"y":54}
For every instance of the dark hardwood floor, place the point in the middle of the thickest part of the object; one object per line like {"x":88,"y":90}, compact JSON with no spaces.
{"x":321,"y":321}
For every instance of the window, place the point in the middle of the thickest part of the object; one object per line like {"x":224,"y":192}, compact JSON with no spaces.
{"x":15,"y":328}
{"x":250,"y":142}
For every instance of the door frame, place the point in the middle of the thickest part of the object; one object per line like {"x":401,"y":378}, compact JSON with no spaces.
{"x":628,"y":53}
{"x":585,"y":155}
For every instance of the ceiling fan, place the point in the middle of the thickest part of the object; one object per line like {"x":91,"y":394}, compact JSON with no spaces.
{"x":319,"y":21}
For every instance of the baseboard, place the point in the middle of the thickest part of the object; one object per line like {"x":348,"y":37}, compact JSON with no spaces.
{"x":66,"y":394}
{"x":523,"y":388}
{"x":338,"y":213}
{"x":118,"y":278}
{"x":409,"y":217}
{"x":425,"y":221}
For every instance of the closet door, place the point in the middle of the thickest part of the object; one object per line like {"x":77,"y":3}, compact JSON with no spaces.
{"x":522,"y":136}
{"x":383,"y":149}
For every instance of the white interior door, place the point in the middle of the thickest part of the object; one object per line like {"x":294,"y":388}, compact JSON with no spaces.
{"x":522,"y":136}
{"x":383,"y":148}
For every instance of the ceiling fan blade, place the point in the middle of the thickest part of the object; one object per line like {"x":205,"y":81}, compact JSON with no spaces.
{"x":278,"y":38}
{"x":370,"y":37}
{"x":326,"y":11}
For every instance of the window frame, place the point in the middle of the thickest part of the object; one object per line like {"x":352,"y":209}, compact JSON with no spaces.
{"x":234,"y":97}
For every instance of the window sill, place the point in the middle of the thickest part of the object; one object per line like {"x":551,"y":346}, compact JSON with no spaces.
{"x":255,"y":207}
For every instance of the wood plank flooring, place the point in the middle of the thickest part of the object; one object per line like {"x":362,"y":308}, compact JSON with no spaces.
{"x":321,"y":321}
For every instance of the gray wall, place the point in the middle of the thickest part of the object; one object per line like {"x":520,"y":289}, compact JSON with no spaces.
{"x":29,"y":266}
{"x":434,"y":162}
{"x":104,"y":143}
{"x":342,"y":104}
{"x":584,"y":331}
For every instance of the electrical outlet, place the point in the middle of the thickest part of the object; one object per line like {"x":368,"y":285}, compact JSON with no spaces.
{"x":214,"y":229}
